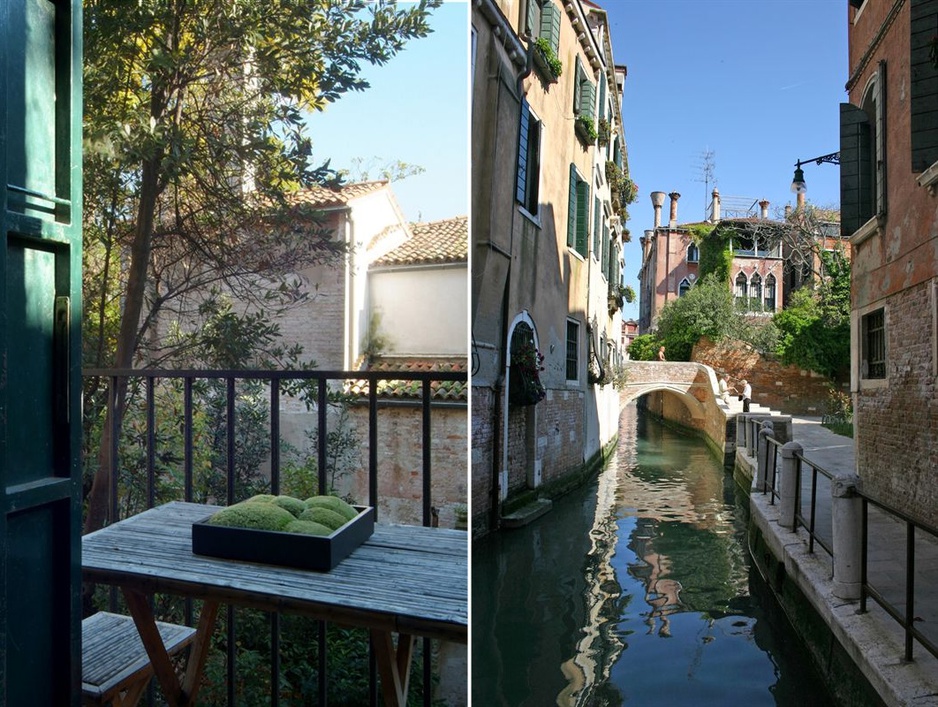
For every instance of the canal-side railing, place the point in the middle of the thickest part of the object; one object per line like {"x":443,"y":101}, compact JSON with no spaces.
{"x":378,"y":390}
{"x":898,"y":596}
{"x":903,"y":609}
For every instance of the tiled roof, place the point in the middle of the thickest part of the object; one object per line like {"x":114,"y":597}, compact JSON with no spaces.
{"x":443,"y":241}
{"x":456,"y":391}
{"x":324,"y":198}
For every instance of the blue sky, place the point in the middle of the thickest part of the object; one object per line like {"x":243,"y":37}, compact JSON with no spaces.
{"x":416,"y":111}
{"x":757,"y":82}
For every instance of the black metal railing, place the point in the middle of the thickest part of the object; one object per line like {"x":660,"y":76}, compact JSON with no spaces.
{"x":903,"y":609}
{"x":901,"y":605}
{"x":317,"y":388}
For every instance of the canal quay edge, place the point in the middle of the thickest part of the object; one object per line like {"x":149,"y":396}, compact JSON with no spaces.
{"x":859,"y":655}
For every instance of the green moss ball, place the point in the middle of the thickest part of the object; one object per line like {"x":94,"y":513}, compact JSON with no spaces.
{"x":261,"y":498}
{"x":333,"y":503}
{"x":328,"y":518}
{"x":257,"y":516}
{"x":288,"y":503}
{"x":307,"y":527}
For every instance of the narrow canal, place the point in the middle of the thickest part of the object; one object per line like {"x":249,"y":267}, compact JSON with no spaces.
{"x":636,"y":589}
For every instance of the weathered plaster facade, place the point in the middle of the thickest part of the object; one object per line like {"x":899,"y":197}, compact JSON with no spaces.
{"x":539,"y":262}
{"x":893,"y":226}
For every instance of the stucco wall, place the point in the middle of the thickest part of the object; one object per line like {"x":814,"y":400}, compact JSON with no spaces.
{"x":422,"y":310}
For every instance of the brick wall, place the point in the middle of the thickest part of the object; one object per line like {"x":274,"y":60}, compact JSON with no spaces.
{"x":400,"y":460}
{"x":786,"y":389}
{"x":898,"y":423}
{"x":483,"y":439}
{"x":560,"y":434}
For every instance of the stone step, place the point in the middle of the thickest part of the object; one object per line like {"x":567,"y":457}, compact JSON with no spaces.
{"x":527,"y":513}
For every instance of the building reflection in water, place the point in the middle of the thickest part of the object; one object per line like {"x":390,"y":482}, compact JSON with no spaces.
{"x":674,"y":514}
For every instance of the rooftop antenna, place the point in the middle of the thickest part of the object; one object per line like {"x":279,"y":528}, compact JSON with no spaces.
{"x":705,"y":168}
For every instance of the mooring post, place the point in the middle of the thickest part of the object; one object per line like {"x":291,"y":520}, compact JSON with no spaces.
{"x":741,"y":430}
{"x":762,"y":455}
{"x":847,"y":518}
{"x":788,"y":484}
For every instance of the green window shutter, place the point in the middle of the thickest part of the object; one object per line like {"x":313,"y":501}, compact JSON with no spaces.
{"x":582,"y":217}
{"x":606,"y":258}
{"x":855,"y":199}
{"x":533,"y":18}
{"x":881,"y":140}
{"x":587,"y":98}
{"x":577,"y":81}
{"x":602,"y":95}
{"x":571,"y":209}
{"x":597,"y":230}
{"x":550,"y":25}
{"x":522,"y":173}
{"x":923,"y":103}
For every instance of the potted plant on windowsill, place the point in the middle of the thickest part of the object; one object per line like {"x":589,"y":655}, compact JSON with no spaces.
{"x":546,"y":61}
{"x":603,"y":132}
{"x":586,"y":129}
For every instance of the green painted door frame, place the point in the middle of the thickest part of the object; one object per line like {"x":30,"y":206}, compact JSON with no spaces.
{"x":40,"y":357}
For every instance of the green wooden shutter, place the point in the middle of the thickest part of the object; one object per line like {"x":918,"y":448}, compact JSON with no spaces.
{"x":587,"y":97}
{"x":40,"y":346}
{"x":550,"y":25}
{"x":855,"y":202}
{"x":522,"y":173}
{"x":881,"y":130}
{"x":602,"y":95}
{"x":923,"y":103}
{"x":606,"y":252}
{"x":582,"y":217}
{"x":533,"y":18}
{"x":597,"y":229}
{"x":571,"y":208}
{"x":577,"y":82}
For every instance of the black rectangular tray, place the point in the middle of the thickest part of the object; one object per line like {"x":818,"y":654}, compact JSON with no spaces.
{"x":311,"y":552}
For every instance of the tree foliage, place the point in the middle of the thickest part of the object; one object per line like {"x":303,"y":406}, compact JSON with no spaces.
{"x":815,"y":326}
{"x":644,"y":347}
{"x":195,"y":141}
{"x":705,"y":310}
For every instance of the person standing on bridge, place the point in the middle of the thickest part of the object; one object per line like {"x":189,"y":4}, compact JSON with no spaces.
{"x":747,"y":395}
{"x":724,"y":389}
{"x":661,"y":354}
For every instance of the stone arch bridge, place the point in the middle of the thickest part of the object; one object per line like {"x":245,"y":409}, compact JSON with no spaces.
{"x":694,"y":384}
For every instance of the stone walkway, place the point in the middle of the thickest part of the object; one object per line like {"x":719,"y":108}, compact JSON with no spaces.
{"x":874,"y":639}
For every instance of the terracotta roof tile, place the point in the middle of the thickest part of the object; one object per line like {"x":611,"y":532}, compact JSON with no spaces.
{"x":324,"y":198}
{"x":412,"y":390}
{"x":443,"y":241}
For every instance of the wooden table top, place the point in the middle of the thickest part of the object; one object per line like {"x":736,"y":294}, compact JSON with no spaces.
{"x":406,"y":579}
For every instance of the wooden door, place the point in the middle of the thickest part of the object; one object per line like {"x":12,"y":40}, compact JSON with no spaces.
{"x":40,"y":366}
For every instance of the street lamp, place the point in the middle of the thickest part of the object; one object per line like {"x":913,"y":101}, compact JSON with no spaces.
{"x":798,"y":184}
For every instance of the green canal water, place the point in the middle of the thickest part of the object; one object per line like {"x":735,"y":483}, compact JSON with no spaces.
{"x":636,"y":589}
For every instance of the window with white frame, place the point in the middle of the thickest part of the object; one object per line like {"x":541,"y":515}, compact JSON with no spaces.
{"x":693,"y":253}
{"x":755,"y":292}
{"x":573,"y":350}
{"x":742,"y":290}
{"x":873,"y":345}
{"x":769,"y":293}
{"x":683,"y":287}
